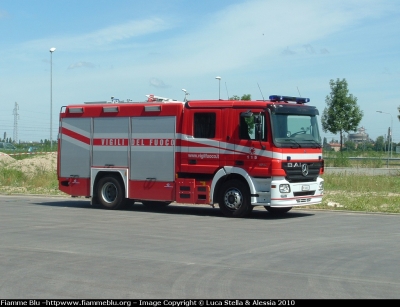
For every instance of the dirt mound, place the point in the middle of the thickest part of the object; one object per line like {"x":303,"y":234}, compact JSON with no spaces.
{"x":5,"y":159}
{"x":33,"y":164}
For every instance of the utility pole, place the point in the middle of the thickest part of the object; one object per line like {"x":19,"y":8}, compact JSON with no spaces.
{"x":51,"y":97}
{"x":16,"y":117}
{"x":390,"y":132}
{"x":219,"y":87}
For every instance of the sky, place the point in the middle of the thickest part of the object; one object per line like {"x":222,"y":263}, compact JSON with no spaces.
{"x":128,"y":49}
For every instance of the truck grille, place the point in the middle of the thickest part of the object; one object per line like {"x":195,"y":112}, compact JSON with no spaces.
{"x":301,"y":171}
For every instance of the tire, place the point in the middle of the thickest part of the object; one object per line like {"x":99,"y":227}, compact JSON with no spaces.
{"x":277,"y":211}
{"x":155,"y":204}
{"x":110,"y":193}
{"x":94,"y":202}
{"x":234,"y":200}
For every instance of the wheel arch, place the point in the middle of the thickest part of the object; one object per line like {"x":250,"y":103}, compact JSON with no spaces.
{"x":229,"y":173}
{"x":98,"y":173}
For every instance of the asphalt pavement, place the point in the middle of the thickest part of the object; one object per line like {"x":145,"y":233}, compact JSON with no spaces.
{"x":62,"y":248}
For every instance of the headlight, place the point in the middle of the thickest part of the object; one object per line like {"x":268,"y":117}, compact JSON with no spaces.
{"x":321,"y":185}
{"x":284,"y":188}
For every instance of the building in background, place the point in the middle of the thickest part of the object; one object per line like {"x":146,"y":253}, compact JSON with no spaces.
{"x":360,"y":137}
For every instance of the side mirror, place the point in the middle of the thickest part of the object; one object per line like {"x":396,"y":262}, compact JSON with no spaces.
{"x":248,"y":113}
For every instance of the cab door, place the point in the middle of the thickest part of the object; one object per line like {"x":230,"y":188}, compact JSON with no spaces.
{"x":252,"y":149}
{"x":201,"y":141}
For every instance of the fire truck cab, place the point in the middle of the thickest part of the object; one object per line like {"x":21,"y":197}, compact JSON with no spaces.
{"x":238,"y":154}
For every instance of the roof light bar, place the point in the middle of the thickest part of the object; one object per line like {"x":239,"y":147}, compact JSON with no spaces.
{"x":298,"y":100}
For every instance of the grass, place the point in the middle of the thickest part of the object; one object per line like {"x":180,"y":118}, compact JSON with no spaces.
{"x":361,"y":193}
{"x":39,"y":181}
{"x":342,"y":191}
{"x":358,"y":192}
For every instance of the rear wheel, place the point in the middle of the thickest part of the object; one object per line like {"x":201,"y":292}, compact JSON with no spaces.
{"x":277,"y":211}
{"x":234,"y":200}
{"x":110,"y":193}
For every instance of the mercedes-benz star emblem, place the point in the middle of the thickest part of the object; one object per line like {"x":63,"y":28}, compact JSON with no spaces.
{"x":304,"y":169}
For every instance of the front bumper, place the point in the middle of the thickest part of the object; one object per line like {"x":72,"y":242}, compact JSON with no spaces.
{"x":296,"y":194}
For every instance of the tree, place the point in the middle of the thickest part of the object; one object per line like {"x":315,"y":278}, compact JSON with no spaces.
{"x":244,"y":97}
{"x":350,"y":145}
{"x":398,"y":116}
{"x":325,"y":142}
{"x":379,"y":143}
{"x":342,"y":113}
{"x":325,"y":145}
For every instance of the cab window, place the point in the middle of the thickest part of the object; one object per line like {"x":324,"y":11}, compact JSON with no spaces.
{"x":252,"y":127}
{"x":204,"y":125}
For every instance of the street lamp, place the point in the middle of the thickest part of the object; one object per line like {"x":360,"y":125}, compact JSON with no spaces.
{"x":186,"y":93}
{"x":391,"y":132}
{"x":51,"y":96}
{"x":219,"y":87}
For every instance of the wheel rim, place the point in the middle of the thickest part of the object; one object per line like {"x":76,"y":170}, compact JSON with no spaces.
{"x":233,"y":199}
{"x":109,"y":192}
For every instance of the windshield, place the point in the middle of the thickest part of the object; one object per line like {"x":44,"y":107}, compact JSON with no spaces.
{"x":295,"y":130}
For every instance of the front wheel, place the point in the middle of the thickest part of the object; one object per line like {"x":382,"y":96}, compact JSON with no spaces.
{"x":110,"y":193}
{"x":234,"y":200}
{"x":277,"y":210}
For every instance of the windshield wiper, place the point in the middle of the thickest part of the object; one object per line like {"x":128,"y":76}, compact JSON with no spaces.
{"x":291,"y":140}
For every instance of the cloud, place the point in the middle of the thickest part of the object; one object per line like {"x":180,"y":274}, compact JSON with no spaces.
{"x":238,"y":36}
{"x":81,"y":64}
{"x":241,"y":35}
{"x":157,"y":83}
{"x":121,"y":32}
{"x":287,"y":51}
{"x":309,"y":49}
{"x":103,"y":38}
{"x":3,"y":14}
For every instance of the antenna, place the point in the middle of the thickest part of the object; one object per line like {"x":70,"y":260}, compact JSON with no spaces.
{"x":298,"y":91}
{"x":226,"y":90}
{"x":260,"y":91}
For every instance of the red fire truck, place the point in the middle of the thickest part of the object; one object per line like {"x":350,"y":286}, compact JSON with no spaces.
{"x":238,"y":154}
